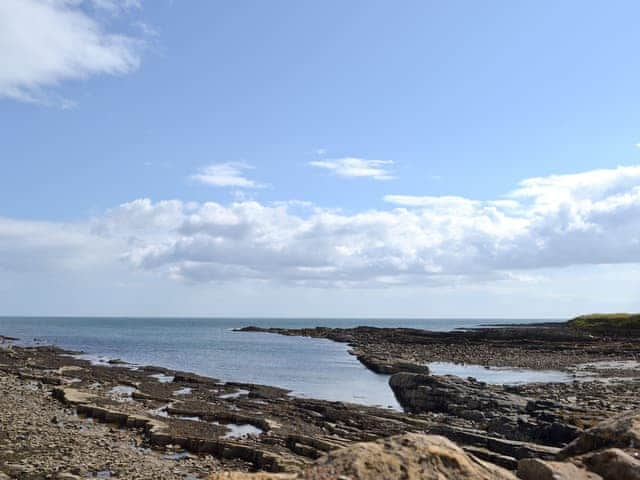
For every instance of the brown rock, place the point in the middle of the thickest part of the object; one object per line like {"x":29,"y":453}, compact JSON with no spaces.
{"x":535,"y":469}
{"x":622,"y":431}
{"x":614,"y":464}
{"x":410,"y":457}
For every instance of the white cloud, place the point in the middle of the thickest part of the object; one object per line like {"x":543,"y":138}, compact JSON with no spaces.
{"x":46,"y":42}
{"x":229,"y":174}
{"x":116,"y":6}
{"x":43,"y":246}
{"x":591,"y":218}
{"x":442,"y":202}
{"x":357,"y":167}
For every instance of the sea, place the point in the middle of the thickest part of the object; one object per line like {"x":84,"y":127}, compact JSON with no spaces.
{"x":314,"y":368}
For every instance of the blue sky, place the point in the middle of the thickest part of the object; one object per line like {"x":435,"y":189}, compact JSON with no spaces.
{"x":400,"y":123}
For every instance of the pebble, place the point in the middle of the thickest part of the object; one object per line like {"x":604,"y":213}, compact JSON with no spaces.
{"x":41,"y":438}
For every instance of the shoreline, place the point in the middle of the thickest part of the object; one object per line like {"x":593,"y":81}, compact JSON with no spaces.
{"x":172,"y":410}
{"x":210,"y":426}
{"x":540,"y":346}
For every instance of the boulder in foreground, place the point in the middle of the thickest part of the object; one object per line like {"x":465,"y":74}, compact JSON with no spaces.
{"x":410,"y":457}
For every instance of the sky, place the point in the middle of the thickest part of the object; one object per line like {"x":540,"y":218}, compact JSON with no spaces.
{"x":319,"y":159}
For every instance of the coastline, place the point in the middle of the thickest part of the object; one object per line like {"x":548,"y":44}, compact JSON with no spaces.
{"x":533,"y":346}
{"x":183,"y":424}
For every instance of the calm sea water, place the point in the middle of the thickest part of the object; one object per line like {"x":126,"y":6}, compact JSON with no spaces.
{"x":314,"y":368}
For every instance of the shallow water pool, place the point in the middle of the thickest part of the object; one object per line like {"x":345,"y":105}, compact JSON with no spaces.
{"x":499,"y":375}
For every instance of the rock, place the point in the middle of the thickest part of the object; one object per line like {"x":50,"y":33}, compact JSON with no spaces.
{"x":622,"y":431}
{"x":411,"y":457}
{"x":539,"y":427}
{"x":614,"y":464}
{"x":17,"y":469}
{"x":66,"y":476}
{"x":391,"y":366}
{"x":252,"y":476}
{"x":187,"y":377}
{"x":501,"y":446}
{"x":420,"y":393}
{"x":535,"y":469}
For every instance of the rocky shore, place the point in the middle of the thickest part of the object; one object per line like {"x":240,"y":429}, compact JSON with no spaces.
{"x":64,"y":417}
{"x":541,"y":346}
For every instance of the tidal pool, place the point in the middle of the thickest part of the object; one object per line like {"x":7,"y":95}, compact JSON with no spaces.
{"x":499,"y":375}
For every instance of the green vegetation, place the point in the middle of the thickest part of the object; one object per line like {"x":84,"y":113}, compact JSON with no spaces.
{"x":606,"y":322}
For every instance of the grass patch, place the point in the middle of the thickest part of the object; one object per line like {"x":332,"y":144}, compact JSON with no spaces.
{"x":601,"y":322}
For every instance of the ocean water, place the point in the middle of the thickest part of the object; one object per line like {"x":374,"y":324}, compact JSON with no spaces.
{"x":314,"y":368}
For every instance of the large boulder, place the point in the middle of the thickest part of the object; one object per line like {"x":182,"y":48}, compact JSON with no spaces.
{"x":470,"y":399}
{"x":410,"y":456}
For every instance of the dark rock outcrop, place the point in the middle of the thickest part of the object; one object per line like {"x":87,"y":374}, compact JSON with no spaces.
{"x":468,"y":399}
{"x":390,"y":366}
{"x":489,"y":407}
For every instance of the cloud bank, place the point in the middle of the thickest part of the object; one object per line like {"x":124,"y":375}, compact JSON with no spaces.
{"x":45,"y":42}
{"x":548,"y":222}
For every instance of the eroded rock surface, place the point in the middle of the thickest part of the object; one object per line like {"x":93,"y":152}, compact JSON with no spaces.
{"x":622,"y":431}
{"x":615,"y":464}
{"x":407,"y":457}
{"x":536,"y":469}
